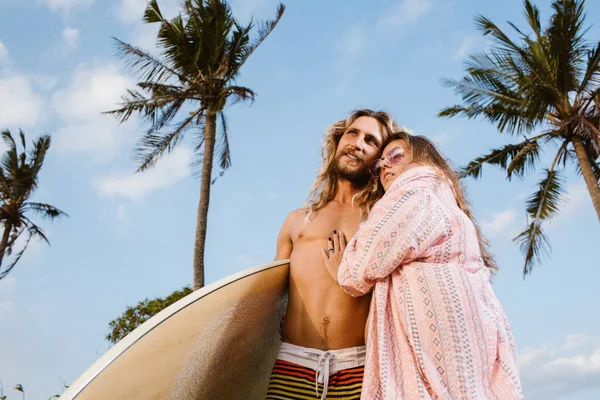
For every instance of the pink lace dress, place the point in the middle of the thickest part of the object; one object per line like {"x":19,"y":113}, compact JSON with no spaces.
{"x":436,"y":329}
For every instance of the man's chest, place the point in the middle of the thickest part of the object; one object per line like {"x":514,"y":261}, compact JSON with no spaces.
{"x":322,"y":225}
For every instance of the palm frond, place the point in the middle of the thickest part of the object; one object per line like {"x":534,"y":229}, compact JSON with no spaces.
{"x":240,"y":53}
{"x":45,"y":210}
{"x":238,"y":94}
{"x":502,"y":41}
{"x":526,"y":154}
{"x":541,"y":206}
{"x":145,"y":65}
{"x":37,"y":154}
{"x":236,"y":52}
{"x":532,"y":13}
{"x":566,"y":43}
{"x":498,"y":157}
{"x":533,"y":244}
{"x":224,"y":150}
{"x":35,"y":230}
{"x":7,"y":270}
{"x":134,"y":101}
{"x":152,"y":13}
{"x":591,"y":77}
{"x":154,"y":144}
{"x":525,"y":160}
{"x":545,"y":202}
{"x":264,"y":29}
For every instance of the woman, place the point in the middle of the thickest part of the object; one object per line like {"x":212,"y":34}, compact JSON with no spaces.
{"x":436,"y":330}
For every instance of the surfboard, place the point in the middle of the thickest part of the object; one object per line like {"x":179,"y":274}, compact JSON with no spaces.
{"x":219,"y":342}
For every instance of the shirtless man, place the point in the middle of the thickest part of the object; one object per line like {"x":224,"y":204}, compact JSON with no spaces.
{"x":323,"y":330}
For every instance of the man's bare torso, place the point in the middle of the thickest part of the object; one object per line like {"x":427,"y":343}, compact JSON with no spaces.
{"x":320,"y":314}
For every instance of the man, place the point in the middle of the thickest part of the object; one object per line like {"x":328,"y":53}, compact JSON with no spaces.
{"x":323,"y":329}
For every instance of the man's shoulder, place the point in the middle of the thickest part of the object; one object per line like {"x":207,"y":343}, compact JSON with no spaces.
{"x":298,"y":213}
{"x":295,"y":217}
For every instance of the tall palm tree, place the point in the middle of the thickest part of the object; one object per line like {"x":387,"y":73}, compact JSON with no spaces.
{"x":203,"y":51}
{"x":543,"y":88}
{"x":19,"y":175}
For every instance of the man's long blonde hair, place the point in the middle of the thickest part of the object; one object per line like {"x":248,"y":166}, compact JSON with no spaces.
{"x":324,"y":189}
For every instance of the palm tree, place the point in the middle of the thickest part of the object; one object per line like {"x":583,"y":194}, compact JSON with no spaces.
{"x":543,"y":88}
{"x":203,"y":51}
{"x":18,"y":180}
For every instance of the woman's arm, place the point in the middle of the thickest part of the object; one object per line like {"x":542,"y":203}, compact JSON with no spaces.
{"x":401,"y":226}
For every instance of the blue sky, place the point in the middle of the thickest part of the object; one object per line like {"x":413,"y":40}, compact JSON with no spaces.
{"x":131,"y":236}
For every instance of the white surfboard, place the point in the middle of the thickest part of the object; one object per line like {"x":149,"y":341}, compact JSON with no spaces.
{"x":219,"y":342}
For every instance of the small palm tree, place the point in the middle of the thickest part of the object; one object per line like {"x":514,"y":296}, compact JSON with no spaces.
{"x":18,"y":180}
{"x":203,"y":51}
{"x":545,"y":89}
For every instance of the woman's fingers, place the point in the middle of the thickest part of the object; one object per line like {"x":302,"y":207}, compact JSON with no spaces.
{"x":336,"y":241}
{"x":331,"y":245}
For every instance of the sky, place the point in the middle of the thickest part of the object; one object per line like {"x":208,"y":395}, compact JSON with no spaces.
{"x":130,"y":236}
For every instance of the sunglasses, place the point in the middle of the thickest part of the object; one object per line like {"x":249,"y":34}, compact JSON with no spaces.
{"x":392,"y":157}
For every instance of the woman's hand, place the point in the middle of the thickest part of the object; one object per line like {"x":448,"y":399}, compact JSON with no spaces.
{"x":332,"y":256}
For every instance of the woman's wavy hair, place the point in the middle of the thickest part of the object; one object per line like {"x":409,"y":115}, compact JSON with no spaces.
{"x":424,"y":152}
{"x":324,"y":189}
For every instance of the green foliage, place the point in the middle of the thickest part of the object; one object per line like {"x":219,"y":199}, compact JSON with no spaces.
{"x":19,"y":173}
{"x":547,"y":79}
{"x":143,"y":311}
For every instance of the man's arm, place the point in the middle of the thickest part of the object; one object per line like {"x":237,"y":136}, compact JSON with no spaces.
{"x":284,"y":239}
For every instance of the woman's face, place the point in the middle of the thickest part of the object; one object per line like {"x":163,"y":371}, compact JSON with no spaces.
{"x":395,"y":159}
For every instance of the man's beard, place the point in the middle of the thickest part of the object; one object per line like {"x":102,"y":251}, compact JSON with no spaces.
{"x":357,"y":177}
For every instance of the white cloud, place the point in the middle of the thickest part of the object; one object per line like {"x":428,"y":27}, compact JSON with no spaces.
{"x":66,"y":5}
{"x":500,"y":222}
{"x":84,"y":128}
{"x":19,"y":104}
{"x":45,"y":82}
{"x":406,"y":12}
{"x":552,"y":370}
{"x":70,"y":38}
{"x":169,"y":170}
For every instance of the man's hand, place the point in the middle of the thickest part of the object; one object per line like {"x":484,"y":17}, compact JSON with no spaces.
{"x":332,"y":256}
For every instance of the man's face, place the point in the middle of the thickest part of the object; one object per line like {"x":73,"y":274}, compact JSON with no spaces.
{"x":358,"y":148}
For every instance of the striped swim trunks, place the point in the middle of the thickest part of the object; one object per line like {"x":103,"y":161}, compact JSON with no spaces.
{"x":302,"y":373}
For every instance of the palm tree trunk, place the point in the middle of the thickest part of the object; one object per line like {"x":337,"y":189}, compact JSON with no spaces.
{"x":4,"y":242}
{"x":588,"y":173}
{"x":210,"y":132}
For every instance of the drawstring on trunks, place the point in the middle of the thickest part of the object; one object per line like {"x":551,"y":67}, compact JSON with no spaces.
{"x":322,"y":374}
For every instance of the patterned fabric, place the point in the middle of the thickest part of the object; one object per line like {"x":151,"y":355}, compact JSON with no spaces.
{"x":293,"y":381}
{"x":436,"y":329}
